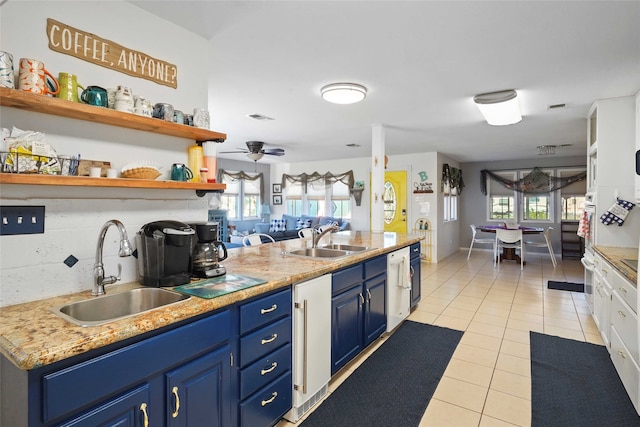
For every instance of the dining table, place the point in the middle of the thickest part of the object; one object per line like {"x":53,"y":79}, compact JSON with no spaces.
{"x":510,"y":253}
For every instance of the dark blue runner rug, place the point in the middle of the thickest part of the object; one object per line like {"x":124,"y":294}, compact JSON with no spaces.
{"x":394,"y":385}
{"x":575,"y":384}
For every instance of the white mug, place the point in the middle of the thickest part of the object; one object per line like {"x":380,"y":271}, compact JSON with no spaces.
{"x":124,"y":99}
{"x":201,"y":118}
{"x":95,"y":172}
{"x":7,"y":74}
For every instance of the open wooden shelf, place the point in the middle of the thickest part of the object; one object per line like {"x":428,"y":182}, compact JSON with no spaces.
{"x":63,"y":108}
{"x":85,"y":181}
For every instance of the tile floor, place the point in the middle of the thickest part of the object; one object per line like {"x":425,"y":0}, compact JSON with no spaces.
{"x":488,"y":380}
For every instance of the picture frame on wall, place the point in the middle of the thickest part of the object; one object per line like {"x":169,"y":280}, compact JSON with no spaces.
{"x":277,"y":199}
{"x":277,"y":188}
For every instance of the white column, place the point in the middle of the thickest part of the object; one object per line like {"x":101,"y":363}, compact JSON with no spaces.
{"x":377,"y":177}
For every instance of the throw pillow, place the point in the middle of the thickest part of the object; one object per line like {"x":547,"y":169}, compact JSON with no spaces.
{"x":277,"y":225}
{"x":303,"y":223}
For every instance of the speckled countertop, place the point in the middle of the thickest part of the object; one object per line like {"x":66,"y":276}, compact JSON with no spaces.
{"x":614,"y":256}
{"x":31,"y":335}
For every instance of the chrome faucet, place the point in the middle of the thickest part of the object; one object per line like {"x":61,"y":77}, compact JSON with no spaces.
{"x":98,"y":269}
{"x":317,"y":234}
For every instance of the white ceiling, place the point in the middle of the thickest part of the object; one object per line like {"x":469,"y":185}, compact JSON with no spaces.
{"x":422,"y":62}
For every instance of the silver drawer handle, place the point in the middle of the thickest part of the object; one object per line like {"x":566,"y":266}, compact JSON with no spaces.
{"x":273,"y":397}
{"x":623,"y":290}
{"x":621,"y":353}
{"x":268,"y":340}
{"x":621,"y":314}
{"x":274,"y":307}
{"x":274,"y":365}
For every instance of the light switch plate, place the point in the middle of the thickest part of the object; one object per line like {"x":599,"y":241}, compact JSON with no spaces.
{"x":21,"y":220}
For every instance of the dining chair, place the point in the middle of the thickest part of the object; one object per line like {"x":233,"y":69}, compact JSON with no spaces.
{"x":479,"y":241}
{"x":255,"y":239}
{"x":545,"y":244}
{"x":305,"y":233}
{"x":511,"y":239}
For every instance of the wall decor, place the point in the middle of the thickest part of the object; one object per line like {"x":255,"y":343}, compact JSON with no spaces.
{"x":277,"y":199}
{"x":277,"y":188}
{"x":91,"y":48}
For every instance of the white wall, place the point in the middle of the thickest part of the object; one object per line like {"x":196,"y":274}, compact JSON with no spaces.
{"x":31,"y":267}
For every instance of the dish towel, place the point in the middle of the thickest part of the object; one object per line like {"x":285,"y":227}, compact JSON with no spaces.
{"x":583,"y":225}
{"x":617,"y":213}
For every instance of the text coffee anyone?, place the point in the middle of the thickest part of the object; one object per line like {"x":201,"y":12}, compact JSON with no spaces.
{"x":94,"y":49}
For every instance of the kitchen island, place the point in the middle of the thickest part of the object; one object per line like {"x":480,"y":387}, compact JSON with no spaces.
{"x":35,"y":340}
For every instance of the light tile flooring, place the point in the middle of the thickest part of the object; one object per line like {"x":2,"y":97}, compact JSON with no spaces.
{"x":488,"y":380}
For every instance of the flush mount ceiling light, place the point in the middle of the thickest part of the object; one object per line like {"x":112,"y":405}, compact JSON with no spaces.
{"x":546,"y":150}
{"x":343,"y":93}
{"x":499,"y":108}
{"x":255,"y":156}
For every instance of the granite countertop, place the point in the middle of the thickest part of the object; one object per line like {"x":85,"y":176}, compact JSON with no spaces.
{"x":614,"y":256}
{"x":31,"y":335}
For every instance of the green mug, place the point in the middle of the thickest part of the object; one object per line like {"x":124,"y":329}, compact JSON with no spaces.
{"x":94,"y":95}
{"x":69,"y":87}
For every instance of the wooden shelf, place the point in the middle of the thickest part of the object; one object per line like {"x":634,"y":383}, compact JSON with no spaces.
{"x":85,"y":181}
{"x":63,"y":108}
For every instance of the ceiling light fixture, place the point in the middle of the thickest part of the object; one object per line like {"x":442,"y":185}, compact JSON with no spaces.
{"x":499,"y":108}
{"x":255,"y":156}
{"x":546,"y":150}
{"x":343,"y":93}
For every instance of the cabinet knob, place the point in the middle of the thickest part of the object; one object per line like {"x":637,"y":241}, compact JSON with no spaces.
{"x":273,"y":397}
{"x":274,"y":307}
{"x":274,"y":365}
{"x":268,"y":340}
{"x":174,"y":391}
{"x":145,"y":419}
{"x":621,"y":313}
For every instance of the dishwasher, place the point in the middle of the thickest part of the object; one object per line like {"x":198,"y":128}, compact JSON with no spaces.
{"x":312,"y":344}
{"x":398,"y":287}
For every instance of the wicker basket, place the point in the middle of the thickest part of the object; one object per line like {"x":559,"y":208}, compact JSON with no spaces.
{"x":140,"y":173}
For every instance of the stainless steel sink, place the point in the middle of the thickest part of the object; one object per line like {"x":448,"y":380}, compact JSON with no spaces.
{"x":101,"y":310}
{"x":350,"y":248}
{"x":319,"y":253}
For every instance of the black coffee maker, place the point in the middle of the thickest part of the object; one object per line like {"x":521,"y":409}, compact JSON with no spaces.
{"x":164,"y":253}
{"x":208,"y":251}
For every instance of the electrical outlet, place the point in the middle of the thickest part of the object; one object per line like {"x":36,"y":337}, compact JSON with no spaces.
{"x":21,"y":220}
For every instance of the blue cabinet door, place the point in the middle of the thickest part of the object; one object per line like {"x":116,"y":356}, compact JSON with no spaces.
{"x":416,"y":289}
{"x":199,"y":392}
{"x":346,"y":326}
{"x":128,"y":410}
{"x":375,"y":315}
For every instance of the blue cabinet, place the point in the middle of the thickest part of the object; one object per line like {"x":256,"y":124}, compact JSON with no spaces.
{"x":358,"y":307}
{"x":416,"y":289}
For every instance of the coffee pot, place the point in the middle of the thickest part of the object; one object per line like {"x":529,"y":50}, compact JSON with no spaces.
{"x":208,"y":252}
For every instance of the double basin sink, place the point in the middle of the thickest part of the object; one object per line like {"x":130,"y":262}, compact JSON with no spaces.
{"x":101,"y":310}
{"x":328,"y":251}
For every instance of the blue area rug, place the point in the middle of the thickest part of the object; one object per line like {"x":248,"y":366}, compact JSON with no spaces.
{"x":394,"y":385}
{"x":574,"y":383}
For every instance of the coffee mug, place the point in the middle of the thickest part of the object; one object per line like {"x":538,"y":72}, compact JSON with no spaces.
{"x":201,"y":118}
{"x":69,"y":87}
{"x":180,"y":172}
{"x":32,"y":77}
{"x":163,"y":111}
{"x":124,"y":100}
{"x":7,"y":77}
{"x":94,"y":95}
{"x":178,"y":117}
{"x":143,"y":107}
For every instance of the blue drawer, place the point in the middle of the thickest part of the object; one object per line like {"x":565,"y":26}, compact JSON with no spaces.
{"x":265,"y":370}
{"x":265,"y":310}
{"x":268,"y":405}
{"x":345,"y":279}
{"x":375,"y":267}
{"x":414,"y":250}
{"x":264,"y":341}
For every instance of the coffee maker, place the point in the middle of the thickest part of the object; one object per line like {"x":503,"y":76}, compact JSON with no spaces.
{"x":208,"y":251}
{"x":165,"y":253}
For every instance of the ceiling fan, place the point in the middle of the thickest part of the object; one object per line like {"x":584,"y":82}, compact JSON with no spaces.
{"x":255,"y":151}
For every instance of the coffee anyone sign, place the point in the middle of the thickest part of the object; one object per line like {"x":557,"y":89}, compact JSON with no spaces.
{"x":94,"y":49}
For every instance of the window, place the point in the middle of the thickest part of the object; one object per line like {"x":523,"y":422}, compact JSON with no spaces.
{"x":319,"y":200}
{"x":572,"y":196}
{"x":501,"y":200}
{"x":538,"y":206}
{"x":242,"y":197}
{"x":450,"y":207}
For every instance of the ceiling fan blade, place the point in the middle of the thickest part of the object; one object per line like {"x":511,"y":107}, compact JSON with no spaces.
{"x":274,"y":151}
{"x":230,"y":152}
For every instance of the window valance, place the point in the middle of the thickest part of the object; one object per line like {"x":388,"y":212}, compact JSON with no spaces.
{"x":537,"y":181}
{"x":244,"y":176}
{"x":324,"y":179}
{"x":452,"y":182}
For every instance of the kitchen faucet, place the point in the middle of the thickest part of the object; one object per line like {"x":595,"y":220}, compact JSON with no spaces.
{"x":317,"y":234}
{"x":98,"y":269}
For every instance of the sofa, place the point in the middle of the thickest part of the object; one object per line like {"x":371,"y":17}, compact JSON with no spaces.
{"x":288,"y":227}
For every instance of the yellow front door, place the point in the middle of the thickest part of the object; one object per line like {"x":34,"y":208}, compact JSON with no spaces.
{"x":394,"y":197}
